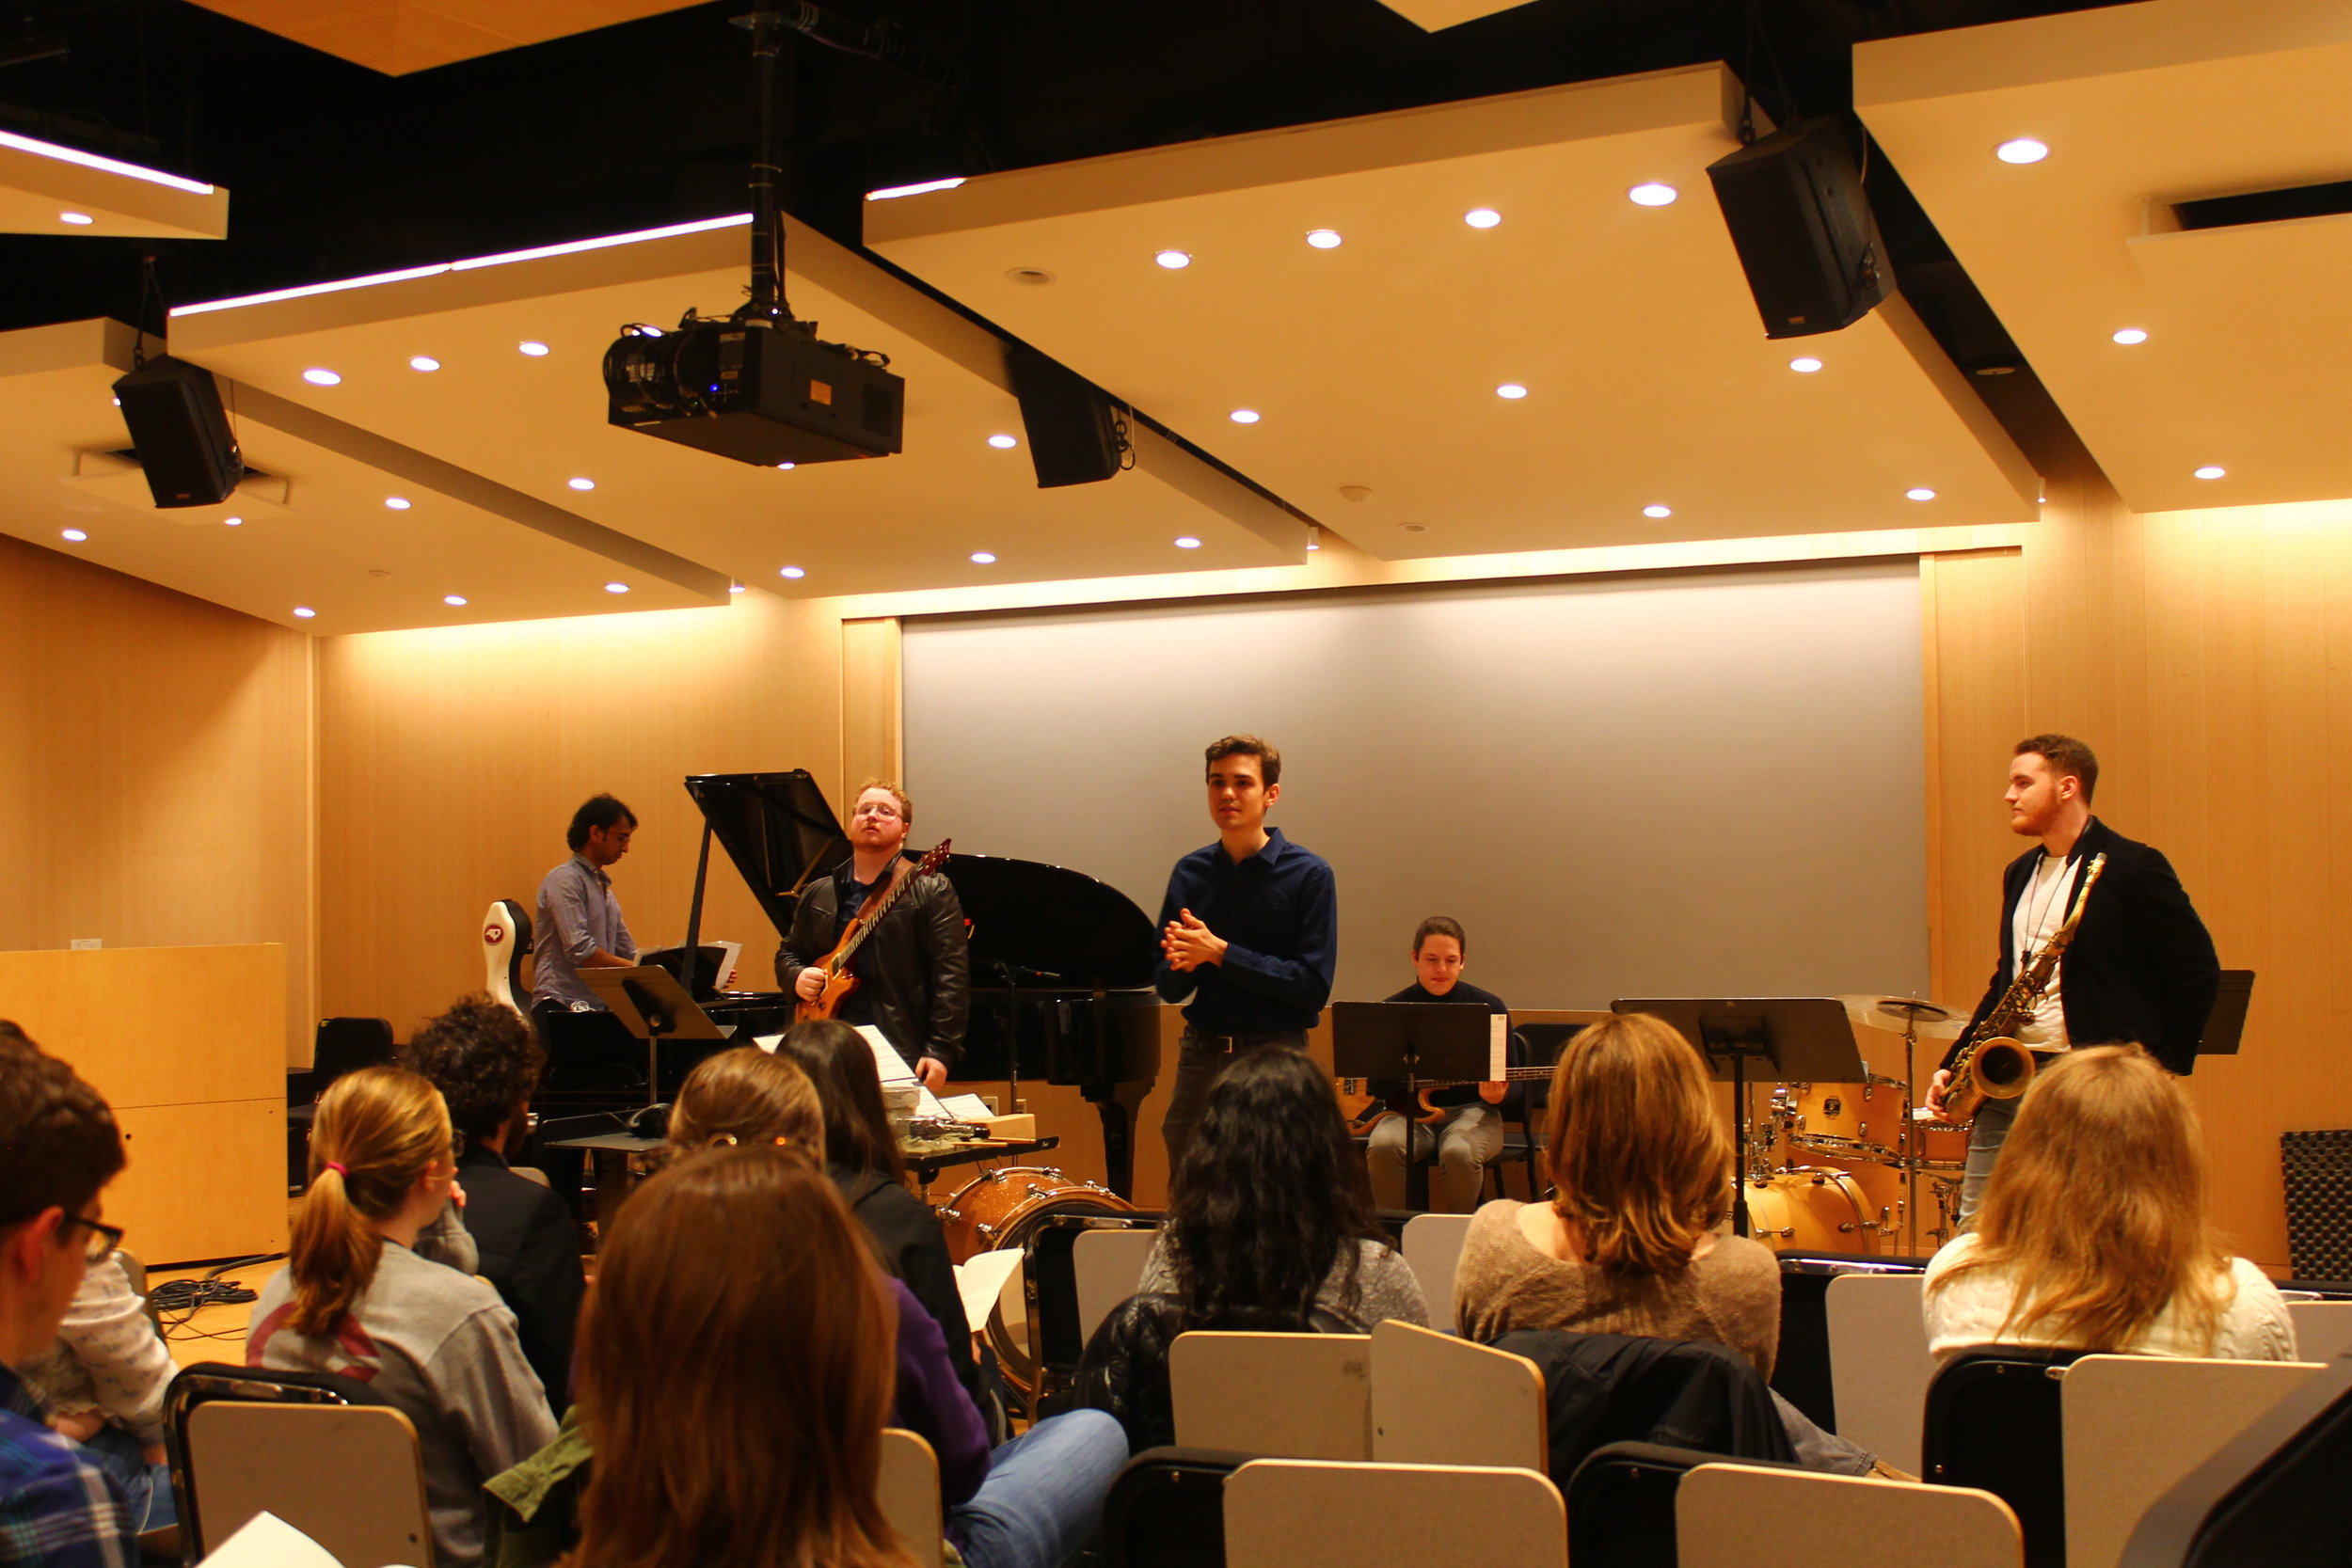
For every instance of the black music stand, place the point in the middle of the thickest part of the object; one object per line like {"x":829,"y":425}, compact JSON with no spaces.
{"x":1802,"y":1038}
{"x":651,"y":1005}
{"x":2226,"y":1024}
{"x":1418,"y":1042}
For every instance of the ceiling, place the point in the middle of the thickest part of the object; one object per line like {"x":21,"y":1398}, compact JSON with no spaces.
{"x":51,"y":189}
{"x":396,"y":37}
{"x":1434,"y":15}
{"x":2244,"y":365}
{"x":1373,"y":365}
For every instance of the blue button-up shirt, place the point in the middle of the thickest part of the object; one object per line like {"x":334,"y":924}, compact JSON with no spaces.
{"x":577,"y":914}
{"x":57,"y":1508}
{"x":1278,"y":913}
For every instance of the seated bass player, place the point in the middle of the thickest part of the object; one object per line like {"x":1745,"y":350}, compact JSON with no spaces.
{"x":913,"y":970}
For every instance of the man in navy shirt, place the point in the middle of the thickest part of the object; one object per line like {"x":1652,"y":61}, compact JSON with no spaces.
{"x":1249,"y":930}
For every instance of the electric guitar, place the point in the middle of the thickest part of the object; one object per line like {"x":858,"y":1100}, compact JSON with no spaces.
{"x":1383,"y":1095}
{"x":839,"y":982}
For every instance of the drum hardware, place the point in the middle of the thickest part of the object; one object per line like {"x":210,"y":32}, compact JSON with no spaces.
{"x":1003,"y":1207}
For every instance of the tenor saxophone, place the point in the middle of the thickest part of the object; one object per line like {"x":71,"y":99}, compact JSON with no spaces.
{"x":1991,"y":1064}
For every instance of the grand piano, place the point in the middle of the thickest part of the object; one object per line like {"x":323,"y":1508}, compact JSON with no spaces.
{"x":1061,"y":963}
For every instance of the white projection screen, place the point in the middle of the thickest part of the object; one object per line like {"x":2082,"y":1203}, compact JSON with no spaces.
{"x":1696,"y":784}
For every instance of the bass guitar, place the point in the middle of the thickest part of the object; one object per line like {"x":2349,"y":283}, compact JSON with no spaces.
{"x":1383,"y":1095}
{"x":839,"y":982}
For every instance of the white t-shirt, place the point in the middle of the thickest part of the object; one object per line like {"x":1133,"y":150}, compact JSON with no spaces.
{"x":2254,"y":1326}
{"x":2041,"y":908}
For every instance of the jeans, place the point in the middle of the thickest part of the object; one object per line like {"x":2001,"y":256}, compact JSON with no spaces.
{"x":1466,"y":1140}
{"x":1986,"y":1135}
{"x":1201,"y":1061}
{"x":1042,"y":1500}
{"x":146,"y":1488}
{"x":1822,"y":1450}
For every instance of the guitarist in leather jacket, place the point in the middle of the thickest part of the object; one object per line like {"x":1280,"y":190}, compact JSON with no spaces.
{"x":913,"y":971}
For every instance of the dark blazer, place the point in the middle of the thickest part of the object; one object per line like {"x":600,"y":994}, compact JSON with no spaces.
{"x":916,"y":969}
{"x":2143,"y":966}
{"x":1601,"y":1388}
{"x":530,"y":1257}
{"x":906,"y":1231}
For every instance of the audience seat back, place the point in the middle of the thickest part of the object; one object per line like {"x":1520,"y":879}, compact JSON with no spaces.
{"x":2135,"y":1425}
{"x":1433,"y":1249}
{"x":1760,"y":1516}
{"x":1621,"y":1504}
{"x":1108,"y":1266}
{"x":1294,"y":1514}
{"x":1436,"y":1400}
{"x":349,"y":1477}
{"x":910,"y":1494}
{"x":1167,"y":1510}
{"x":2271,"y":1497}
{"x":1993,"y":1422}
{"x":1292,"y":1396}
{"x":2323,"y":1329}
{"x":1879,"y":1367}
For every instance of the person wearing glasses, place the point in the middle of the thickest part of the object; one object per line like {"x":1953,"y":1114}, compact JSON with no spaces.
{"x":59,"y":1147}
{"x":358,"y":1299}
{"x":913,"y":971}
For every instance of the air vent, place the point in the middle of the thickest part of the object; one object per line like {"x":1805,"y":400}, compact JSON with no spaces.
{"x":2299,"y":201}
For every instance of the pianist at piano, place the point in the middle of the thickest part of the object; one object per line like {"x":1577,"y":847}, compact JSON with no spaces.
{"x":580,"y":926}
{"x":913,"y":970}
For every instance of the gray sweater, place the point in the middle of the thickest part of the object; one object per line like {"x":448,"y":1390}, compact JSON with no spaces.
{"x":1385,"y":1287}
{"x":441,"y":1346}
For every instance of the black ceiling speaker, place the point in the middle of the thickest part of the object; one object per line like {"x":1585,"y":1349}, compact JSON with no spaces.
{"x":1076,"y":433}
{"x":1803,"y":230}
{"x":181,"y":433}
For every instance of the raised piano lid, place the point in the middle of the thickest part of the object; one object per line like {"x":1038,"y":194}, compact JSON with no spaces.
{"x":1049,"y":921}
{"x":777,"y":830}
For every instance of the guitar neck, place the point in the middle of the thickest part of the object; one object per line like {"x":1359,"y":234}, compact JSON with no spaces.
{"x":871,"y":915}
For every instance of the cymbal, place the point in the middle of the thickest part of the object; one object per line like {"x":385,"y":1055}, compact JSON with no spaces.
{"x":1936,"y":1021}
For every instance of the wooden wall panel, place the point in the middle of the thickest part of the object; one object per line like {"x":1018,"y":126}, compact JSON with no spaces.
{"x":154,"y":771}
{"x":451,"y":762}
{"x":872,"y":726}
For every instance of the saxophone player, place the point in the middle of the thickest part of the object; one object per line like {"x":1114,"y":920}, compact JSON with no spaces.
{"x":2140,"y":967}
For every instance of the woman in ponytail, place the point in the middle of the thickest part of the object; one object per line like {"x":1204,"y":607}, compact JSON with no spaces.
{"x":358,"y":1300}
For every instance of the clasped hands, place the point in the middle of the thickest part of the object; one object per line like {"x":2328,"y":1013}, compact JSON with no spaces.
{"x":1188,"y":944}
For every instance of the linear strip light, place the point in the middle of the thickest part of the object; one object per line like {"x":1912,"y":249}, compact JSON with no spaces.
{"x":892,"y":192}
{"x":734,"y":220}
{"x":109,"y":166}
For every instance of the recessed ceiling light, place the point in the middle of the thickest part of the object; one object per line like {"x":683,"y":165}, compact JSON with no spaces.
{"x":535,"y":350}
{"x":2210,"y":471}
{"x":786,"y":466}
{"x":74,"y":536}
{"x":304,"y":611}
{"x":790,"y":572}
{"x":581,"y":483}
{"x":75,"y":218}
{"x":232,"y":522}
{"x":322,"y":378}
{"x":1511,"y":389}
{"x":1245,"y":416}
{"x":1413,"y":527}
{"x":2023,"y":150}
{"x":1481,"y":218}
{"x":1187,"y":542}
{"x":617,"y":587}
{"x":1805,"y":364}
{"x":456,"y":601}
{"x":398,"y":504}
{"x":424,"y":362}
{"x":1658,"y":512}
{"x":734,"y":587}
{"x":982,"y":557}
{"x":1653,"y":193}
{"x":1004,"y":443}
{"x":1323,"y":239}
{"x":1920,"y":493}
{"x":2131,"y":335}
{"x":1174,"y":260}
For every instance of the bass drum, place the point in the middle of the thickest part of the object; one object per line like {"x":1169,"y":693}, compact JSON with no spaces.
{"x":1001,"y":1209}
{"x":1811,"y":1211}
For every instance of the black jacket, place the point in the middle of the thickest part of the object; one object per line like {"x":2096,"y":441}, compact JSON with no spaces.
{"x":531,"y":1254}
{"x":906,"y":1231}
{"x":914,"y":970}
{"x":2143,"y":966}
{"x":1627,"y":1388}
{"x":1124,"y":1368}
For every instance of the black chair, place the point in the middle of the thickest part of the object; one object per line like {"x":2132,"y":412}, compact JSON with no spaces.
{"x":2272,"y":1498}
{"x":1801,"y":1369}
{"x":341,"y":1045}
{"x":1621,"y":1503}
{"x":1994,"y":1421}
{"x":1166,"y":1508}
{"x":1541,"y":1044}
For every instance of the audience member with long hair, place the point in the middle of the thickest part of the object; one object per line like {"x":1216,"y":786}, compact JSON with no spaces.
{"x":1641,"y":1170}
{"x":862,"y":1157}
{"x":355,"y":1299}
{"x":2092,"y":1234}
{"x":736,"y":1406}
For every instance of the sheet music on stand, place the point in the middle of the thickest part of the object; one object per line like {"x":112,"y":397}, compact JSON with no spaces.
{"x":890,"y":1070}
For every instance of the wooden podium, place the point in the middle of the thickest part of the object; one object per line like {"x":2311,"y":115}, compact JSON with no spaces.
{"x":188,"y":1045}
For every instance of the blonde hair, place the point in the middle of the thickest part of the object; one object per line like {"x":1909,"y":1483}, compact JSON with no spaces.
{"x":2097,"y":1207}
{"x":906,"y":807}
{"x":1640,"y":1160}
{"x":748,"y":1095}
{"x":377,"y":1129}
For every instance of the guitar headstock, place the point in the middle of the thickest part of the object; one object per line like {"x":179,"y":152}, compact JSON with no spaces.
{"x":931,"y":862}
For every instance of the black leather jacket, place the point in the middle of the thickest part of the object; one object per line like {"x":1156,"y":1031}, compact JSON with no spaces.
{"x":917,"y":974}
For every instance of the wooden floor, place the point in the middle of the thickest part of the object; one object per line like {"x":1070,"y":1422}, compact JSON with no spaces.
{"x":213,"y":1333}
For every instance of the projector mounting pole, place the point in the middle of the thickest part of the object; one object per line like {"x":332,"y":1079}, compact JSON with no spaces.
{"x":767,"y":304}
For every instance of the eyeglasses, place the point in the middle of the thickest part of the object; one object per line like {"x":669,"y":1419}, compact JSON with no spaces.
{"x":104,"y":1238}
{"x":877,"y":808}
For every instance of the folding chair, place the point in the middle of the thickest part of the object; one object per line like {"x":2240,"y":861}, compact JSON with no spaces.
{"x":909,"y":1492}
{"x":1299,"y":1513}
{"x":2270,"y":1497}
{"x":1993,"y":1422}
{"x":1880,"y":1365}
{"x":1167,"y":1510}
{"x":2323,"y":1329}
{"x":1292,"y":1396}
{"x":1063,"y":1314}
{"x":1722,"y":1514}
{"x":1433,"y":1249}
{"x":1436,"y":1400}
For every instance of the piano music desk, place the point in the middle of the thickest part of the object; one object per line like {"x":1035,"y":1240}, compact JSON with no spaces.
{"x":604,"y":1146}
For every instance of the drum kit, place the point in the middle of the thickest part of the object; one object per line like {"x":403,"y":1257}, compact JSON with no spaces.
{"x":1860,"y":1168}
{"x":1004,"y":1208}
